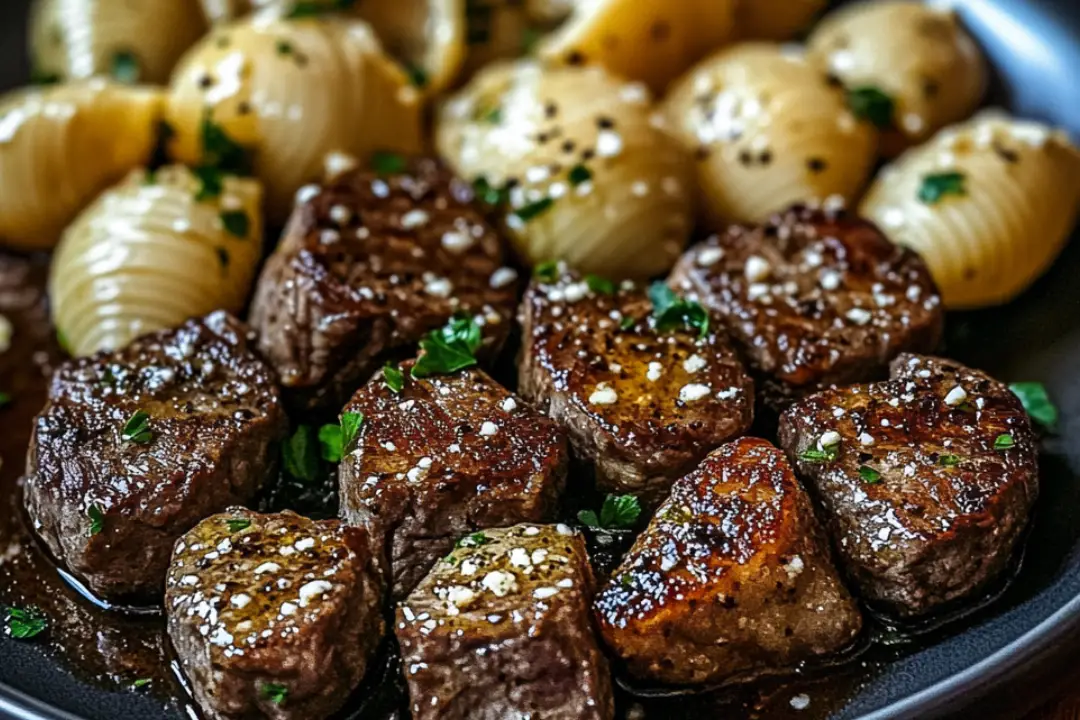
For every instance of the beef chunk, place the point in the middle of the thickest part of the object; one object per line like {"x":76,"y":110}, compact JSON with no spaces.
{"x":813,"y":298}
{"x":273,"y":615}
{"x":367,"y":266}
{"x":110,"y":508}
{"x":501,"y":629}
{"x":441,"y":458}
{"x":927,"y":480}
{"x":644,"y":405}
{"x":732,"y":577}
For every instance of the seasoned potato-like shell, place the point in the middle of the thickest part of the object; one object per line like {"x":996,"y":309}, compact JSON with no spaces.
{"x":293,"y":91}
{"x":147,"y":255}
{"x":648,"y":40}
{"x":916,"y":54}
{"x":988,"y":204}
{"x":774,"y":19}
{"x":131,"y":41}
{"x":62,"y":145}
{"x":767,"y":131}
{"x":587,"y":175}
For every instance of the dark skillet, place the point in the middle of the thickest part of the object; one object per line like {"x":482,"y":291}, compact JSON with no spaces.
{"x":1000,"y":657}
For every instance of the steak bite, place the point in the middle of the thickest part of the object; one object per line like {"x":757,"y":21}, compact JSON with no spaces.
{"x":732,"y":577}
{"x":927,"y":480}
{"x":502,"y":629}
{"x":273,"y":615}
{"x":814,"y":298}
{"x":443,"y":457}
{"x":368,"y":264}
{"x":645,"y":404}
{"x":136,"y":446}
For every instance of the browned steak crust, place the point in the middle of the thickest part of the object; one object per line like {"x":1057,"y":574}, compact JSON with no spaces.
{"x":948,"y":509}
{"x":443,"y":457}
{"x":732,"y":577}
{"x":814,"y":298}
{"x":215,"y":418}
{"x":501,"y":629}
{"x":367,"y":265}
{"x":644,"y":406}
{"x":273,"y":616}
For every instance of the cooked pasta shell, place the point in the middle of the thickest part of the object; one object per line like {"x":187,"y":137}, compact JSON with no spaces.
{"x":767,"y":130}
{"x":918,"y":56}
{"x":653,"y":41}
{"x":131,"y":41}
{"x":775,"y":19}
{"x":502,"y":29}
{"x":62,"y":145}
{"x":293,"y":91}
{"x":587,"y":176}
{"x":988,"y":204}
{"x":148,"y":255}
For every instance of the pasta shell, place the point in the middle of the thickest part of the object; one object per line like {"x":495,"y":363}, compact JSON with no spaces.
{"x":293,"y":91}
{"x":775,"y":19}
{"x":62,"y":145}
{"x":131,"y":41}
{"x":147,"y":255}
{"x":588,"y":177}
{"x":988,"y":204}
{"x":767,"y":131}
{"x":653,"y":41}
{"x":503,"y":29}
{"x":918,"y":55}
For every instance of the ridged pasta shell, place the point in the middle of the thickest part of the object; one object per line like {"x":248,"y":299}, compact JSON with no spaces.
{"x":653,"y":41}
{"x":131,"y":41}
{"x":147,"y":255}
{"x":294,"y":91}
{"x":775,"y":19}
{"x":592,"y":180}
{"x":919,"y":55}
{"x":1021,"y":191}
{"x":767,"y":131}
{"x":62,"y":145}
{"x":504,"y":29}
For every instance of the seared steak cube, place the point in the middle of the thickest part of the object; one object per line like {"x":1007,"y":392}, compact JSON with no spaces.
{"x":644,"y":404}
{"x":731,"y":578}
{"x":273,"y":615}
{"x":368,"y":265}
{"x":501,"y":629}
{"x":814,"y":298}
{"x":443,"y":457}
{"x":927,"y":480}
{"x":136,"y":446}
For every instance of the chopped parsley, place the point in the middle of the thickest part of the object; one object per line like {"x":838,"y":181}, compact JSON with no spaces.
{"x":671,"y":312}
{"x":627,"y":322}
{"x":284,"y":47}
{"x":869,"y":475}
{"x":417,"y":76}
{"x":222,"y":152}
{"x":314,"y":8}
{"x":476,"y":539}
{"x":137,"y":429}
{"x":936,"y":186}
{"x":5,"y":399}
{"x":299,"y":455}
{"x":62,"y":341}
{"x":492,"y":116}
{"x":25,"y":624}
{"x":1004,"y":441}
{"x":819,"y":456}
{"x":1033,"y":396}
{"x":580,"y":174}
{"x":449,"y":349}
{"x":388,"y":163}
{"x":238,"y":524}
{"x":211,"y":182}
{"x":949,"y":460}
{"x":600,"y":285}
{"x":488,"y":193}
{"x":97,"y":519}
{"x":236,"y":222}
{"x":125,"y":67}
{"x":547,"y":272}
{"x":141,"y":683}
{"x":617,"y":513}
{"x":275,"y":693}
{"x":530,"y":36}
{"x":533,"y":210}
{"x":871,"y":104}
{"x":334,"y":440}
{"x":393,"y":378}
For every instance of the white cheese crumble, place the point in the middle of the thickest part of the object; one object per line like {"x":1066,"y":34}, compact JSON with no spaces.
{"x":957,"y":396}
{"x":341,"y":215}
{"x":240,"y":600}
{"x":509,"y":404}
{"x":457,"y":242}
{"x":655,"y":371}
{"x":604,"y":394}
{"x":414,"y":219}
{"x":693,"y":392}
{"x":460,"y":596}
{"x":859,"y":316}
{"x":710,"y":256}
{"x":694,"y":363}
{"x":488,"y":428}
{"x":267,"y":567}
{"x":503,"y":277}
{"x":500,"y":583}
{"x":830,"y":280}
{"x":545,"y":592}
{"x":866,"y":439}
{"x":312,"y":590}
{"x":829,"y":439}
{"x":757,"y":268}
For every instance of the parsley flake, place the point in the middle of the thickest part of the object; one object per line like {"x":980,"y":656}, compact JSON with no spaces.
{"x":275,"y":693}
{"x":1004,"y":441}
{"x":936,"y":186}
{"x":533,"y":210}
{"x":449,"y":349}
{"x":314,"y":8}
{"x":600,"y":285}
{"x":299,"y":456}
{"x":618,"y":512}
{"x":137,"y":429}
{"x":579,"y":174}
{"x":393,"y":378}
{"x":334,"y":440}
{"x":869,"y":475}
{"x":25,"y":624}
{"x":547,"y":272}
{"x":671,"y":312}
{"x":236,"y":222}
{"x":1036,"y":402}
{"x":238,"y":524}
{"x":211,"y":182}
{"x":97,"y":519}
{"x":222,"y":152}
{"x":949,"y":460}
{"x":141,"y":683}
{"x":417,"y":76}
{"x":627,"y":322}
{"x":492,"y":116}
{"x":284,"y":47}
{"x":871,"y":104}
{"x":826,"y":454}
{"x":476,"y":539}
{"x":488,"y":193}
{"x":125,"y":67}
{"x":388,"y":163}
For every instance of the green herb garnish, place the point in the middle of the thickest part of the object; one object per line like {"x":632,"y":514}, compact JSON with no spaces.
{"x":394,"y":378}
{"x":1036,"y":402}
{"x":388,"y":163}
{"x":474,"y":540}
{"x":25,"y":624}
{"x":125,"y":67}
{"x":284,"y":47}
{"x":211,"y":182}
{"x":493,"y":116}
{"x":5,"y":399}
{"x":275,"y":693}
{"x":299,"y":455}
{"x":547,"y":272}
{"x":449,"y":349}
{"x":1004,"y":442}
{"x":869,"y":475}
{"x":238,"y":524}
{"x":949,"y":460}
{"x":97,"y":519}
{"x":672,"y":312}
{"x":417,"y":76}
{"x":627,"y":322}
{"x":334,"y":440}
{"x":137,"y":429}
{"x":533,"y":210}
{"x":819,"y":456}
{"x":222,"y":152}
{"x":871,"y":104}
{"x":600,"y":285}
{"x":236,"y":222}
{"x":489,"y":194}
{"x":580,"y":174}
{"x":530,"y":36}
{"x":314,"y":8}
{"x":141,"y":683}
{"x":936,"y":186}
{"x":618,"y":512}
